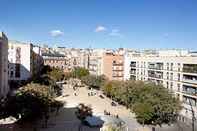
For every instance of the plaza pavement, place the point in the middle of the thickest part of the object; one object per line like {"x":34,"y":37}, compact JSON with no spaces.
{"x":98,"y":105}
{"x":66,"y":119}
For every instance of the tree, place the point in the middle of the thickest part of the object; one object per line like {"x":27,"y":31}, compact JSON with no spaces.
{"x":31,"y":102}
{"x":79,"y":72}
{"x":143,"y":112}
{"x":46,"y":80}
{"x":56,"y":74}
{"x":83,"y":111}
{"x":107,"y":88}
{"x":93,"y":81}
{"x":152,"y":104}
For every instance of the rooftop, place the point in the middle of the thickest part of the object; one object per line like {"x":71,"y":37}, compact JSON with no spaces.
{"x":53,"y":55}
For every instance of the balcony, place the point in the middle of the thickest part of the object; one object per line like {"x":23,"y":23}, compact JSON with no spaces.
{"x":118,"y":64}
{"x":133,"y":71}
{"x":133,"y":64}
{"x":154,"y":74}
{"x":190,"y":68}
{"x":132,"y":77}
{"x":155,"y":66}
{"x":190,"y":79}
{"x":189,"y":90}
{"x":189,"y":100}
{"x":114,"y":75}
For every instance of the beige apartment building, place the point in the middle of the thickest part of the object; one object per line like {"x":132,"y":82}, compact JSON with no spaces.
{"x":95,"y":61}
{"x":107,"y":62}
{"x":4,"y":88}
{"x":55,"y":60}
{"x":175,"y":70}
{"x":113,"y":66}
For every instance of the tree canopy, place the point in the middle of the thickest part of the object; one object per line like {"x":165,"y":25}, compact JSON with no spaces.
{"x":93,"y":81}
{"x":151,"y":103}
{"x":31,"y":102}
{"x":79,"y":72}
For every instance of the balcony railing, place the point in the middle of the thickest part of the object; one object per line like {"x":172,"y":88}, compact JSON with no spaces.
{"x":118,"y":64}
{"x":190,"y":68}
{"x":132,"y":65}
{"x":190,"y":81}
{"x":132,"y":72}
{"x":155,"y":76}
{"x":189,"y":92}
{"x":155,"y":67}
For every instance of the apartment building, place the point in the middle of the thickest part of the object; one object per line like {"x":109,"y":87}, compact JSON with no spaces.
{"x":55,"y":60}
{"x":106,"y":62}
{"x":77,"y":58}
{"x":113,"y":66}
{"x":175,"y":70}
{"x":4,"y":88}
{"x":73,"y":57}
{"x":95,"y":61}
{"x":24,"y":61}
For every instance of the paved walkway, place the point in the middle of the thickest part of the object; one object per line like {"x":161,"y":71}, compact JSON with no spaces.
{"x":98,"y":105}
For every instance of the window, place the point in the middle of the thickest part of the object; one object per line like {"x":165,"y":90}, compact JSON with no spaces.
{"x":167,"y":76}
{"x":171,"y":76}
{"x":179,"y":76}
{"x":171,"y":85}
{"x":11,"y":74}
{"x":167,"y":84}
{"x":179,"y":67}
{"x":167,"y":66}
{"x":17,"y":70}
{"x":178,"y":86}
{"x":171,"y":68}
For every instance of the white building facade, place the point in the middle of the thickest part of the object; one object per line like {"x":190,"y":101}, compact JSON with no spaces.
{"x":176,"y":71}
{"x":24,"y":61}
{"x":95,"y":62}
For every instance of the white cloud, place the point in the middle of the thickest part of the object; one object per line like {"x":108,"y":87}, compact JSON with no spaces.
{"x":100,"y":28}
{"x":56,"y":33}
{"x":116,"y":32}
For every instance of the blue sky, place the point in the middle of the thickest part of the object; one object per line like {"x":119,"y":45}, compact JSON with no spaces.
{"x":102,"y":23}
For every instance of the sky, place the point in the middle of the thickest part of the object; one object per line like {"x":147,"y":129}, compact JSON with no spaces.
{"x":137,"y":24}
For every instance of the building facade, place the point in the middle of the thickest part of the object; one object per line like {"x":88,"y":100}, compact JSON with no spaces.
{"x":175,"y":70}
{"x":95,"y":61}
{"x":55,"y":60}
{"x":113,"y":66}
{"x":25,"y":61}
{"x":4,"y":88}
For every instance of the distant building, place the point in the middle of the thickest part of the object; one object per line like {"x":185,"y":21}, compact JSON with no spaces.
{"x":113,"y":66}
{"x":25,"y":61}
{"x":4,"y":88}
{"x":55,"y":60}
{"x":107,"y":62}
{"x":95,"y":61}
{"x":96,"y":65}
{"x":72,"y":57}
{"x":175,"y":69}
